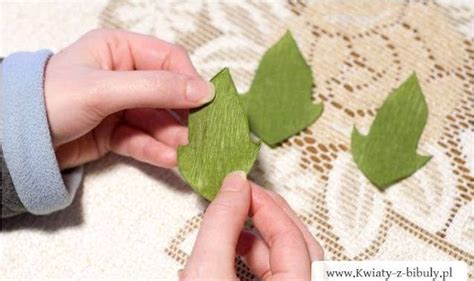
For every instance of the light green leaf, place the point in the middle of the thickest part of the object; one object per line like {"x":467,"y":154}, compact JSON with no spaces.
{"x":279,"y":102}
{"x":388,"y":153}
{"x":219,"y":140}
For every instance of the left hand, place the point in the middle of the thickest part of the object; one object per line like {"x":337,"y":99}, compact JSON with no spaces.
{"x":111,"y":91}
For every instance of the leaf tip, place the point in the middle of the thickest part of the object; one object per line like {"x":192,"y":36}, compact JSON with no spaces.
{"x":223,"y":72}
{"x":287,"y":38}
{"x":355,"y":133}
{"x":421,"y":160}
{"x":288,"y":34}
{"x":413,"y":80}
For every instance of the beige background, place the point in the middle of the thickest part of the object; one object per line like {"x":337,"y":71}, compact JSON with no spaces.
{"x":135,"y":221}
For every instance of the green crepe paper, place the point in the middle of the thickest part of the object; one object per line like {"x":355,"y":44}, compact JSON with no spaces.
{"x":279,"y":103}
{"x":219,"y":140}
{"x":388,"y":153}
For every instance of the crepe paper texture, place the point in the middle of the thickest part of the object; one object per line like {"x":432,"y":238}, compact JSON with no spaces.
{"x":219,"y":140}
{"x":279,"y":103}
{"x":388,"y":153}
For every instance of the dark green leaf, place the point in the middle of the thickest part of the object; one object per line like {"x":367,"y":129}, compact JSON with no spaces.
{"x":388,"y":153}
{"x":279,"y":102}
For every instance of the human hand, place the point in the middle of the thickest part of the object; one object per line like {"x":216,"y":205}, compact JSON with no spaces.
{"x":283,"y":249}
{"x":109,"y":91}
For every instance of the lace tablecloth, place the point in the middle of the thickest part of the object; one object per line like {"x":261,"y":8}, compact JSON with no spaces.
{"x":132,"y":220}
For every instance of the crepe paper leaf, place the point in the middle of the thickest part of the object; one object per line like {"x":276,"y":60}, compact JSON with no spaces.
{"x":388,"y":153}
{"x":279,"y":103}
{"x":219,"y":140}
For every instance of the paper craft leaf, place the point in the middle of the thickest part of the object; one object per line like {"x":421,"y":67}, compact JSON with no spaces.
{"x":219,"y":140}
{"x":279,"y":102}
{"x":388,"y":153}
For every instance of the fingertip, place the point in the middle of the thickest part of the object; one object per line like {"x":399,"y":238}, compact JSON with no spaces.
{"x":239,"y":173}
{"x":199,"y":91}
{"x":259,"y":196}
{"x":167,"y":158}
{"x":182,"y":136}
{"x":211,"y":90}
{"x":235,"y":181}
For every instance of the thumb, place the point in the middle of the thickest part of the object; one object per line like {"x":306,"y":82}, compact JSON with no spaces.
{"x":214,"y":252}
{"x":113,"y":91}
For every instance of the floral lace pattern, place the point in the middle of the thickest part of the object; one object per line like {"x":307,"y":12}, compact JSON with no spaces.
{"x":359,"y":51}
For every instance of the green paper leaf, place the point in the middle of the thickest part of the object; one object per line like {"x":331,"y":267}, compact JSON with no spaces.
{"x":388,"y":153}
{"x":219,"y":140}
{"x":279,"y":102}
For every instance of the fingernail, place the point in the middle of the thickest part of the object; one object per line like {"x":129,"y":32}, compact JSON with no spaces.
{"x":182,"y":137}
{"x":200,"y":91}
{"x":169,"y":158}
{"x":234,"y":180}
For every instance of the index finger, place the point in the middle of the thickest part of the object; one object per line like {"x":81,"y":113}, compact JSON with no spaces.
{"x":147,"y":52}
{"x":289,"y":257}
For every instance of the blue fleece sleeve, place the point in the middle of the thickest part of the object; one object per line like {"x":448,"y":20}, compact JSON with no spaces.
{"x":25,"y":138}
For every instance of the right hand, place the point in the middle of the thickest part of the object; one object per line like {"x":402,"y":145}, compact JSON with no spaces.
{"x":283,"y":249}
